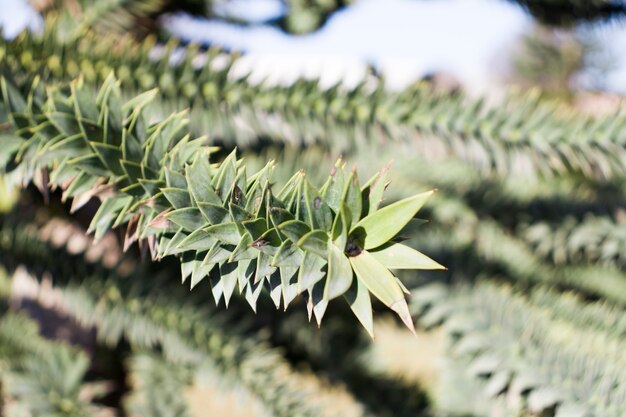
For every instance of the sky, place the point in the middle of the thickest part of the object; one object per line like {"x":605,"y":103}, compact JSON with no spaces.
{"x":15,"y":15}
{"x":404,"y":39}
{"x":612,"y":38}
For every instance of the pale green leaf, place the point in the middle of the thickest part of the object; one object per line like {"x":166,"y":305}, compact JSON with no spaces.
{"x":381,"y":282}
{"x":228,"y":275}
{"x":188,"y":218}
{"x":287,"y":255}
{"x":177,"y":197}
{"x":289,"y":282}
{"x":332,"y":192}
{"x":339,"y":275}
{"x":380,"y":227}
{"x":311,"y":271}
{"x":217,"y":254}
{"x":225,"y":232}
{"x":352,"y":198}
{"x":198,"y":240}
{"x":198,"y":177}
{"x":214,"y":213}
{"x":358,"y":297}
{"x":399,"y":256}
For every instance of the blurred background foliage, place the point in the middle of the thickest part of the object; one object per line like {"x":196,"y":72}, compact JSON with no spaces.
{"x":530,"y":220}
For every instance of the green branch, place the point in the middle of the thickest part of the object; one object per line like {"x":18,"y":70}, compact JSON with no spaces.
{"x":595,"y":239}
{"x":224,"y":225}
{"x":516,"y":136}
{"x":43,"y":377}
{"x":557,"y":356}
{"x":479,"y":221}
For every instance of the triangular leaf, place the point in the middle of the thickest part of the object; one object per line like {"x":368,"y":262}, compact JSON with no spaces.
{"x":381,"y":282}
{"x":188,"y":218}
{"x":315,"y":242}
{"x":383,"y":225}
{"x":399,"y":256}
{"x":294,"y":229}
{"x":339,"y":276}
{"x":311,"y":271}
{"x":358,"y":297}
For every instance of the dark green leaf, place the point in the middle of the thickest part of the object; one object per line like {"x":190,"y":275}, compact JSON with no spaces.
{"x":315,"y":242}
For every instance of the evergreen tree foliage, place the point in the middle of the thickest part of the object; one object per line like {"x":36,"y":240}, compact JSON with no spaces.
{"x":521,"y":135}
{"x":129,"y":164}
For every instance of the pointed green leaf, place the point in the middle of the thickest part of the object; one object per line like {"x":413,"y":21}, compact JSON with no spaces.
{"x":339,"y":276}
{"x":217,"y":254}
{"x":316,"y":211}
{"x":289,"y":282}
{"x":245,"y":271}
{"x":228,"y":273}
{"x":381,"y":282}
{"x":243,"y":250}
{"x":384,"y":224}
{"x":189,"y":218}
{"x":91,"y":164}
{"x":315,"y":242}
{"x":131,"y":148}
{"x":263,"y":267}
{"x":288,"y":255}
{"x":318,"y":301}
{"x":198,"y":240}
{"x":358,"y":297}
{"x":111,"y":156}
{"x":275,"y":287}
{"x":238,"y":214}
{"x":198,"y":177}
{"x":186,"y":265}
{"x":377,"y":278}
{"x":256,"y":227}
{"x":253,"y":290}
{"x":225,"y":177}
{"x":177,"y":197}
{"x":294,"y":229}
{"x":288,"y":192}
{"x":214,"y":213}
{"x":200,"y":269}
{"x":334,"y":188}
{"x":352,"y":198}
{"x":133,"y":170}
{"x":373,"y":190}
{"x":311,"y":271}
{"x":268,"y":243}
{"x":175,"y":179}
{"x":172,"y":245}
{"x":399,"y":256}
{"x":64,"y":122}
{"x":225,"y":232}
{"x":106,"y":215}
{"x":217,"y":287}
{"x":279,"y":216}
{"x":340,"y":228}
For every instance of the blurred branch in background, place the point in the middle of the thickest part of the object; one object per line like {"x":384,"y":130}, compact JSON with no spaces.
{"x":550,"y":59}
